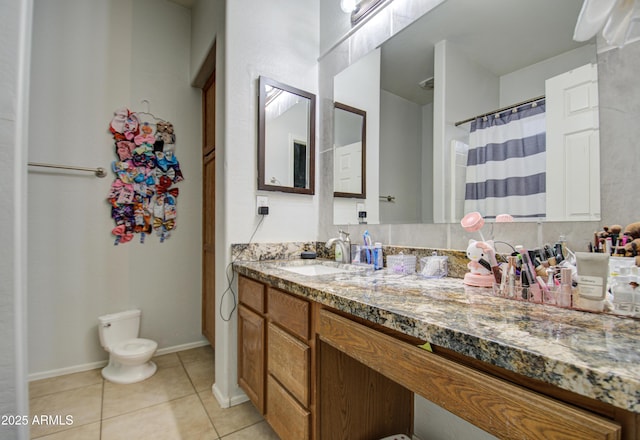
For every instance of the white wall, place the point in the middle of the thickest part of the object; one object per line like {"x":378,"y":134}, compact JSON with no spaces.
{"x":90,"y":58}
{"x":15,"y":28}
{"x":468,"y":88}
{"x":359,"y":87}
{"x":401,"y":154}
{"x":528,"y":82}
{"x":278,"y":39}
{"x":427,"y":164}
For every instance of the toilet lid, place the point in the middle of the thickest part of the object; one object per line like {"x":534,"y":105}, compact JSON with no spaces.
{"x":134,"y":347}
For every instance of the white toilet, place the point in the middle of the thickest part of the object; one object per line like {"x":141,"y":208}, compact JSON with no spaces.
{"x":129,"y":356}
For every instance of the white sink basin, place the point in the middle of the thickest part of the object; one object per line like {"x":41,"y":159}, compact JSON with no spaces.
{"x":314,"y":269}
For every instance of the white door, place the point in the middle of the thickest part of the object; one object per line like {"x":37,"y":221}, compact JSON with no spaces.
{"x":348,"y":176}
{"x":573,"y":145}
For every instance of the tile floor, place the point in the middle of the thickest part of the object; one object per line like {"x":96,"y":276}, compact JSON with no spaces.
{"x":176,"y":403}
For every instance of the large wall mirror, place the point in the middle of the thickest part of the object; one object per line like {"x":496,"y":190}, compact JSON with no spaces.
{"x":349,"y":151}
{"x":462,"y":59}
{"x":286,"y":138}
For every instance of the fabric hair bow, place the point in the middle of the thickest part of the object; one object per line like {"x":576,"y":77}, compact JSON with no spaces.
{"x":164,"y":132}
{"x":169,"y":191}
{"x":131,"y":126}
{"x":143,"y":160}
{"x":168,"y":173}
{"x":120,"y":193}
{"x":123,"y":215}
{"x":142,"y":218}
{"x":124,"y":170}
{"x":124,"y":149}
{"x":122,"y":236}
{"x":167,"y":225}
{"x":144,"y":139}
{"x":163,"y":183}
{"x":118,"y":121}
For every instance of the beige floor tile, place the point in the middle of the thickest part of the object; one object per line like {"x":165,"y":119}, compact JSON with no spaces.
{"x":228,"y":420}
{"x":204,"y":353}
{"x":67,"y":382}
{"x":182,"y":418}
{"x":167,"y":384}
{"x":167,"y":360}
{"x":85,"y":432}
{"x":260,"y":431}
{"x":201,"y":373}
{"x":82,"y":404}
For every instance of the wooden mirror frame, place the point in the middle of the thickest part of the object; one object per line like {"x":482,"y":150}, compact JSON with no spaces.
{"x":363,"y":184}
{"x":311,"y":132}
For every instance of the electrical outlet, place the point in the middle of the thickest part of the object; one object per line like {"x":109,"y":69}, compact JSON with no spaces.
{"x":262,"y":202}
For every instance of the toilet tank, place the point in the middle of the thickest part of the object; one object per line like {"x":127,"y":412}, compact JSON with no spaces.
{"x":118,"y":327}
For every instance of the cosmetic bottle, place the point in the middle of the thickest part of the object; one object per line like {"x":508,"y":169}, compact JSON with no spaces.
{"x":563,"y":298}
{"x":593,"y":273}
{"x":512,"y":280}
{"x":534,"y":293}
{"x":377,"y":256}
{"x":624,"y":293}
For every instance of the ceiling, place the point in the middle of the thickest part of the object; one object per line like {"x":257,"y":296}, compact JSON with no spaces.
{"x":501,"y":35}
{"x":185,"y":3}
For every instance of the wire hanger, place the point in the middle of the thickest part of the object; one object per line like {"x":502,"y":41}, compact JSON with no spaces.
{"x":148,"y":112}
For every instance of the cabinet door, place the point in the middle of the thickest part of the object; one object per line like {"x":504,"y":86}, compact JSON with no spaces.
{"x":251,"y":332}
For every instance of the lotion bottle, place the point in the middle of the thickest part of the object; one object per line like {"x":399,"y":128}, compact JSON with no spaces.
{"x":593,"y":274}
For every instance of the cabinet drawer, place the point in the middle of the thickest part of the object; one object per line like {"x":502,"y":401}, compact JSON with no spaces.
{"x":288,"y":361}
{"x":290,"y":312}
{"x":251,"y":293}
{"x":287,"y":418}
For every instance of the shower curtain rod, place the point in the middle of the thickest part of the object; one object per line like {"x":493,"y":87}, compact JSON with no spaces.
{"x":99,"y":172}
{"x":500,"y":110}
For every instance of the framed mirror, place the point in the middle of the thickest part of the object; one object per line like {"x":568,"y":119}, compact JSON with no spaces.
{"x":286,"y":138}
{"x":450,"y":65}
{"x":349,"y":151}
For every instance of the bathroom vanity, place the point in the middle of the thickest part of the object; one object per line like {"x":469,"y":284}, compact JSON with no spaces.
{"x":340,"y":356}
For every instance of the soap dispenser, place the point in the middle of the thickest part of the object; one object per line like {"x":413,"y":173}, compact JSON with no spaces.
{"x":338,"y":254}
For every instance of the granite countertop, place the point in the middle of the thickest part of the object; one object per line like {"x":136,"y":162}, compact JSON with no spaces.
{"x":594,"y":355}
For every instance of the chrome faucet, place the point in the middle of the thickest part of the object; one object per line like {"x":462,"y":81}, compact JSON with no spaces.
{"x":344,"y":242}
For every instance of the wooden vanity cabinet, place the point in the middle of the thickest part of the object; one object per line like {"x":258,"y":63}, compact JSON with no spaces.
{"x":316,"y":373}
{"x":275,"y":357}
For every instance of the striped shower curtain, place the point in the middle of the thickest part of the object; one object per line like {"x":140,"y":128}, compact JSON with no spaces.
{"x":506,"y":165}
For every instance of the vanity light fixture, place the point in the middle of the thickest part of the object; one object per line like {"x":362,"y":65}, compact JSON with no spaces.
{"x":361,"y":8}
{"x":348,"y":6}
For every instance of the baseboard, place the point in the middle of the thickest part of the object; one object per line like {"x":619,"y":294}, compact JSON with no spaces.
{"x":228,"y":401}
{"x":66,"y":370}
{"x":100,"y":364}
{"x":181,"y":347}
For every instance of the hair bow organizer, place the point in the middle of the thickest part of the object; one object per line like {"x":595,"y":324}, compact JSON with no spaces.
{"x":141,"y":196}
